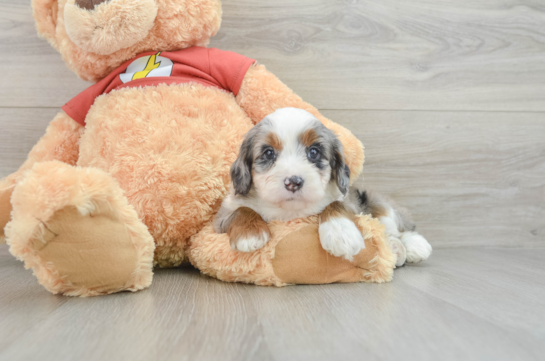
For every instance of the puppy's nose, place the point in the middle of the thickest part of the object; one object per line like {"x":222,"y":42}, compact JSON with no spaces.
{"x":293,"y":184}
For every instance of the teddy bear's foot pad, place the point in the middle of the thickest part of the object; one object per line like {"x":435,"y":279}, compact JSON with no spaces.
{"x":91,"y":251}
{"x":76,"y":230}
{"x":300,"y":258}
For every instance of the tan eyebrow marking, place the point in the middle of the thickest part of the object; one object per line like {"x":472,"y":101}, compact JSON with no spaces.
{"x":309,"y":137}
{"x":273,"y":140}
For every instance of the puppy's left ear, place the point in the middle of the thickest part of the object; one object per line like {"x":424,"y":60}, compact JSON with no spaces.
{"x":339,"y":170}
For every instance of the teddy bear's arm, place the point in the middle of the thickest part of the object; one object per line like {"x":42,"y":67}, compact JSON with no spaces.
{"x":262,"y":93}
{"x":60,"y":142}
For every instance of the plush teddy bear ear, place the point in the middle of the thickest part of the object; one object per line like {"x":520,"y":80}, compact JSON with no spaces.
{"x":45,"y":14}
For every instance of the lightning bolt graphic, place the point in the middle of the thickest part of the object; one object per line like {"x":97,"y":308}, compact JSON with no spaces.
{"x":152,"y":64}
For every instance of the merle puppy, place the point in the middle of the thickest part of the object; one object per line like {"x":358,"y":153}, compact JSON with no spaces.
{"x":290,"y":166}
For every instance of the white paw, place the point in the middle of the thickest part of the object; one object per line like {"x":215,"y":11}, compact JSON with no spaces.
{"x":418,"y":249}
{"x":398,"y":249}
{"x":341,"y":238}
{"x":250,"y":244}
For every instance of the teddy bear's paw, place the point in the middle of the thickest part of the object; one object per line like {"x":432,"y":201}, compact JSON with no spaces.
{"x":417,"y":247}
{"x":341,"y":238}
{"x":76,"y":230}
{"x":399,"y":250}
{"x":86,"y":248}
{"x":250,"y":243}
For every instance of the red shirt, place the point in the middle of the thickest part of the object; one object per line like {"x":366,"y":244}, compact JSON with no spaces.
{"x":206,"y":66}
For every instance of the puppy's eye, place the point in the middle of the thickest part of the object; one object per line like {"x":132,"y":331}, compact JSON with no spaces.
{"x":314,"y":154}
{"x":269,"y":154}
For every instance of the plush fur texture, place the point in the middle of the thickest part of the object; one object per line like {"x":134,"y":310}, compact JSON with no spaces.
{"x":110,"y":26}
{"x":52,"y":186}
{"x":211,"y":253}
{"x":176,"y":178}
{"x":158,"y":156}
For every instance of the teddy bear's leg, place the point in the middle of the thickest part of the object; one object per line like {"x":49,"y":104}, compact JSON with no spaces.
{"x":75,"y":229}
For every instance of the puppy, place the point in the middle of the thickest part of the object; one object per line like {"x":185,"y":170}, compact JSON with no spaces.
{"x":291,"y":166}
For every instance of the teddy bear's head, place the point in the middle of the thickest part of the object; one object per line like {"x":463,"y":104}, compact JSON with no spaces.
{"x":96,"y":36}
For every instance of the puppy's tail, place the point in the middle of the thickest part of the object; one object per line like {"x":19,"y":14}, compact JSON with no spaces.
{"x":379,"y":206}
{"x":407,"y":244}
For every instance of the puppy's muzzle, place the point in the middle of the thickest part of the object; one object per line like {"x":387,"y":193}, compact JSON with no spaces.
{"x":294,"y":183}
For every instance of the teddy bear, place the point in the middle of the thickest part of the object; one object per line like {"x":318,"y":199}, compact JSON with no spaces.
{"x":128,"y":176}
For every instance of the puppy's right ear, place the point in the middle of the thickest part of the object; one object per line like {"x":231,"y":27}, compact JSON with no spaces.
{"x":241,"y":170}
{"x":339,"y":170}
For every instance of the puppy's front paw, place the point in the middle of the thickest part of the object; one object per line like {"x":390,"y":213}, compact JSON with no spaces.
{"x":418,"y":248}
{"x":340,"y":237}
{"x":249,"y":242}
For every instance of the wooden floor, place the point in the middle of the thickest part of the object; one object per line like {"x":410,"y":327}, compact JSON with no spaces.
{"x":464,"y":304}
{"x":448,"y":98}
